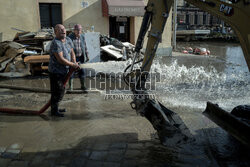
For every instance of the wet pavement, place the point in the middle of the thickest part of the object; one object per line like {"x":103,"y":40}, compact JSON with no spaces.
{"x":99,"y":132}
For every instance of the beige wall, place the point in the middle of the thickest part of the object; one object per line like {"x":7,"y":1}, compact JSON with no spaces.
{"x":166,"y":37}
{"x":92,"y":15}
{"x":24,"y":15}
{"x":21,"y":14}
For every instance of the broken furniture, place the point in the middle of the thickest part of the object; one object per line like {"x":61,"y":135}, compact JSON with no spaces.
{"x":37,"y":63}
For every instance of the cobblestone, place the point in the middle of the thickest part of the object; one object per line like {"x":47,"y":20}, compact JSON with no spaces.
{"x":37,"y":160}
{"x":19,"y":164}
{"x":26,"y":156}
{"x":118,"y":146}
{"x":130,"y":163}
{"x":4,"y":162}
{"x":91,"y":163}
{"x":52,"y":155}
{"x":93,"y":133}
{"x":110,"y":164}
{"x":83,"y":154}
{"x":117,"y":152}
{"x":132,"y":154}
{"x":138,"y":146}
{"x":47,"y":163}
{"x":114,"y":158}
{"x":67,"y":153}
{"x":98,"y":155}
{"x":63,"y":160}
{"x":78,"y":162}
{"x":101,"y":147}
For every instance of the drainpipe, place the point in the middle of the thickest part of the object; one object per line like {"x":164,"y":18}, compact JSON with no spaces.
{"x":174,"y":25}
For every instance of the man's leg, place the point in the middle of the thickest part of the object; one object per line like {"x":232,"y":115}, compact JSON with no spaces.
{"x":81,"y":73}
{"x":82,"y":77}
{"x":57,"y":93}
{"x":71,"y":82}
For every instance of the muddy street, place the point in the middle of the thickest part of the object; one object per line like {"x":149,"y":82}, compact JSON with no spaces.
{"x":99,"y":132}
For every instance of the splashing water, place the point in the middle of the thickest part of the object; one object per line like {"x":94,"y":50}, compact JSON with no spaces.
{"x":223,"y":79}
{"x":193,"y":87}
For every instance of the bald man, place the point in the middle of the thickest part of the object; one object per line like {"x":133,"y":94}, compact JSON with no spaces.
{"x":62,"y":57}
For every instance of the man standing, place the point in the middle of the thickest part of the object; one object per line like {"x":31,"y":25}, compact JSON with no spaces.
{"x":80,"y":50}
{"x":62,"y":57}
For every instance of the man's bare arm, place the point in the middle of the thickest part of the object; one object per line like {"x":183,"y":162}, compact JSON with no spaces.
{"x":62,"y":60}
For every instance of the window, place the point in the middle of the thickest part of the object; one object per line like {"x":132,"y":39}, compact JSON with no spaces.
{"x":50,"y":14}
{"x":187,"y":18}
{"x":196,"y":19}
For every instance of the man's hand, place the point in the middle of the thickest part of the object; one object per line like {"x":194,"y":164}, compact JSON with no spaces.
{"x":75,"y":66}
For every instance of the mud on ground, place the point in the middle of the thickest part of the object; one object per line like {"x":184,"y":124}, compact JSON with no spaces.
{"x":99,"y":132}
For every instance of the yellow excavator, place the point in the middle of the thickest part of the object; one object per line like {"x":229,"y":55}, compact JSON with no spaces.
{"x":170,"y":128}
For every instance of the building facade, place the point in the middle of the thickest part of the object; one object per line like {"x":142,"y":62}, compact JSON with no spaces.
{"x":118,"y":18}
{"x":193,"y":17}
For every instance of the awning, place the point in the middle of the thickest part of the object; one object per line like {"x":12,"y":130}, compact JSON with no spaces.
{"x":123,"y":7}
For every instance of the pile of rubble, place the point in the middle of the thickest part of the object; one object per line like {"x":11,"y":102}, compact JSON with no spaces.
{"x":16,"y":55}
{"x":11,"y":59}
{"x":35,"y":42}
{"x":29,"y":52}
{"x":113,"y":49}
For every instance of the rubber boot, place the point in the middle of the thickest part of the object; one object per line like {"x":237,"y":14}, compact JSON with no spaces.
{"x":82,"y":84}
{"x":71,"y":84}
{"x":55,"y":111}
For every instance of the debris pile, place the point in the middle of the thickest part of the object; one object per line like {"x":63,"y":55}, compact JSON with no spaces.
{"x":24,"y":54}
{"x":29,"y":52}
{"x":113,"y":49}
{"x":35,"y":42}
{"x":11,"y":59}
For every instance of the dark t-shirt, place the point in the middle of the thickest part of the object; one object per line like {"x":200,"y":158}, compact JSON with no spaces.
{"x":58,"y":46}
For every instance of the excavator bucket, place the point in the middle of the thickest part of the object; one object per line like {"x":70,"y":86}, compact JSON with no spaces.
{"x":170,"y":127}
{"x":237,"y":126}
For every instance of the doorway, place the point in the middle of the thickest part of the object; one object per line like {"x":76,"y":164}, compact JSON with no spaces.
{"x":119,"y":28}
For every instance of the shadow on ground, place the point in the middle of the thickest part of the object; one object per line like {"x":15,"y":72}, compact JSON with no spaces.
{"x":125,"y":149}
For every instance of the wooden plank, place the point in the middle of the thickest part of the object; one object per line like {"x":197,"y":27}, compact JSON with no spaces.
{"x":27,"y":36}
{"x":43,"y":35}
{"x":37,"y":59}
{"x":39,"y":68}
{"x":19,"y":34}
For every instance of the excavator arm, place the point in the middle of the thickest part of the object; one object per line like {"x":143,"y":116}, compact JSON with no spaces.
{"x":171,"y":129}
{"x":236,"y":14}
